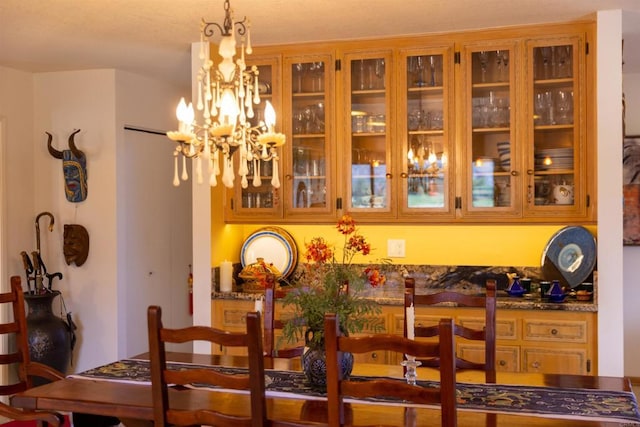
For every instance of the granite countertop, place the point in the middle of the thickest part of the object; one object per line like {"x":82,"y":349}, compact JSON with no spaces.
{"x":527,"y":302}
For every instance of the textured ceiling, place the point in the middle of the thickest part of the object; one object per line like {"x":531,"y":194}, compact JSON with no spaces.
{"x":153,"y":36}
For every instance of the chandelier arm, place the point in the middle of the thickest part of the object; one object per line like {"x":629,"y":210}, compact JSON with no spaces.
{"x":227,"y":26}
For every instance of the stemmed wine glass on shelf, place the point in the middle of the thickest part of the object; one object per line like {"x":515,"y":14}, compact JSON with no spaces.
{"x":416,"y":67}
{"x":545,"y":52}
{"x":298,"y":73}
{"x":502,"y":64}
{"x":432,"y":70}
{"x":483,"y":57}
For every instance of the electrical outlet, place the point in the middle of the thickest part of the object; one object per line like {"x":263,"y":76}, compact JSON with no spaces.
{"x":395,"y":248}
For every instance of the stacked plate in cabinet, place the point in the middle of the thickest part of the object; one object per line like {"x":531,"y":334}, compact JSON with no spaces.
{"x":554,"y":158}
{"x":504,"y":153}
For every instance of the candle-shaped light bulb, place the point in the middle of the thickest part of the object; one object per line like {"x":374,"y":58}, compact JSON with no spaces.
{"x":269,"y":116}
{"x":180,"y":115}
{"x":410,"y":154}
{"x":187,"y":115}
{"x":228,"y":108}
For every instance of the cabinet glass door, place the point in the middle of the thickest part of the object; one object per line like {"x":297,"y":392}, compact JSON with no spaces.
{"x":492,"y":156}
{"x":309,"y":79}
{"x":555,"y":157}
{"x":426,"y":154}
{"x":259,"y":195}
{"x":367,"y":111}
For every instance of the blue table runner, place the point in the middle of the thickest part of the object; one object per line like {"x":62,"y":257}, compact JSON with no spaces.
{"x":500,"y":398}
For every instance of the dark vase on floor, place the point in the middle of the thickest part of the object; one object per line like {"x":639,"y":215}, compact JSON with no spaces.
{"x":48,"y":335}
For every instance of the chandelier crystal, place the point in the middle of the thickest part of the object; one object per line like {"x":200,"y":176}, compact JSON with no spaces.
{"x":227,"y":95}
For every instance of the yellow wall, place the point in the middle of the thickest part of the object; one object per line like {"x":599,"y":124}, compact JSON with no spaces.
{"x":494,"y":245}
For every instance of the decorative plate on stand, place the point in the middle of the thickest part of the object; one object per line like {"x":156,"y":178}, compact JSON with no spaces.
{"x":570,"y":256}
{"x":275,"y":245}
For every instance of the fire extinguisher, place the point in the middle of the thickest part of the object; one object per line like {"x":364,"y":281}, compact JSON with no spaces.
{"x":190,"y":284}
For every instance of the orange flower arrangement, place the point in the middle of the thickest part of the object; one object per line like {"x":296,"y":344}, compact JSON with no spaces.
{"x":332,"y":286}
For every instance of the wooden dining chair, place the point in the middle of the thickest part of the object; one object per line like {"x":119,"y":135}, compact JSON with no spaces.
{"x":19,"y":358}
{"x":163,"y":377}
{"x":338,"y":388}
{"x":487,"y":334}
{"x":272,"y":324}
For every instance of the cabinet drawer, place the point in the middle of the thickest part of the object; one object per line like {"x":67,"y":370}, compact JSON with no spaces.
{"x":560,"y":331}
{"x":507,"y":357}
{"x":372,"y":357}
{"x":506,"y":329}
{"x":555,"y":361}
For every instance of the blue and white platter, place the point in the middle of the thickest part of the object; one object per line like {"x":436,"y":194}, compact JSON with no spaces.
{"x":275,"y":245}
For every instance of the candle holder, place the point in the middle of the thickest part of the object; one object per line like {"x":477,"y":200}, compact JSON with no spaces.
{"x":411,"y":364}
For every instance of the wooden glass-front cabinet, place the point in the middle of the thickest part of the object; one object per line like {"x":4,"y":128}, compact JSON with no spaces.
{"x":259,"y":197}
{"x":368,"y":133}
{"x":491,"y":149}
{"x":309,"y":84}
{"x":425,"y":166}
{"x":557,"y":159}
{"x":526,"y":152}
{"x":490,"y":126}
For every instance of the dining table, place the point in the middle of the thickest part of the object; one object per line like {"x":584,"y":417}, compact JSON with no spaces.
{"x":128,"y":397}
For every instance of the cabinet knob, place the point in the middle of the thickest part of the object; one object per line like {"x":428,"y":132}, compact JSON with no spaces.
{"x":388,"y":175}
{"x":554,"y":332}
{"x":288,"y":177}
{"x":535,"y":365}
{"x":514,"y":173}
{"x":529,"y":172}
{"x":502,"y":363}
{"x":374,"y":356}
{"x":404,"y":175}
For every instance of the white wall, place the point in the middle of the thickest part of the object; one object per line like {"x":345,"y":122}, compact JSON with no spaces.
{"x":109,"y":294}
{"x":610,"y":264}
{"x":65,"y":101}
{"x":631,"y":84}
{"x":154,"y":218}
{"x":16,"y":109}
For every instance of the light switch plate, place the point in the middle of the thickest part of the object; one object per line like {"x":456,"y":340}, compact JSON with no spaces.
{"x":395,"y":248}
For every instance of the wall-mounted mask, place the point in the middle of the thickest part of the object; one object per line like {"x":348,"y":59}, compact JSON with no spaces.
{"x":76,"y":244}
{"x":74,"y":167}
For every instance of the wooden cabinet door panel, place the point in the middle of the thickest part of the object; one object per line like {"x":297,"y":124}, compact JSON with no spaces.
{"x":554,"y":361}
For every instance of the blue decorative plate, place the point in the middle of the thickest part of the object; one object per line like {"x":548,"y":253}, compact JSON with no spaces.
{"x":275,"y":245}
{"x":570,"y":256}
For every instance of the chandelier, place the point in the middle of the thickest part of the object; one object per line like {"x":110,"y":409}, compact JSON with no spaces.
{"x":226,"y":95}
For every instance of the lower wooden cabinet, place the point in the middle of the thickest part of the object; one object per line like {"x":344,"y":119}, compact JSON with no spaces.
{"x":544,"y":341}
